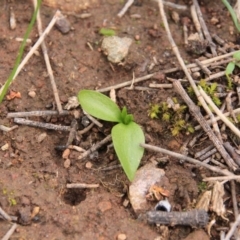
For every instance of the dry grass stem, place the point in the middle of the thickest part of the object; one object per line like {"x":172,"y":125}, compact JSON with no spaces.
{"x":185,"y":158}
{"x":204,"y":28}
{"x":35,"y":114}
{"x":10,"y":232}
{"x":233,"y":228}
{"x":196,"y":21}
{"x":234,"y":129}
{"x":95,"y":147}
{"x":50,"y":126}
{"x":127,"y":5}
{"x":36,"y":45}
{"x":47,"y":61}
{"x":82,"y":185}
{"x":217,"y":118}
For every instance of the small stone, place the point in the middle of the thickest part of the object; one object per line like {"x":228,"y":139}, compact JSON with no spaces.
{"x":66,"y":153}
{"x":88,"y":165}
{"x":41,"y":137}
{"x":67,"y":163}
{"x":125,"y":203}
{"x":63,"y":24}
{"x":104,"y":206}
{"x":116,"y":48}
{"x":5,"y":147}
{"x":214,"y":20}
{"x":137,"y":37}
{"x":175,"y":17}
{"x":32,"y":94}
{"x":121,"y":236}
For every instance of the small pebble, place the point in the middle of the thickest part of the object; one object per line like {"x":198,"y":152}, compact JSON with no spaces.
{"x":125,"y":203}
{"x":104,"y":206}
{"x":63,"y":25}
{"x":88,"y":165}
{"x":67,"y":163}
{"x":32,"y":94}
{"x":41,"y":137}
{"x":121,"y":236}
{"x":66,"y":153}
{"x":5,"y":147}
{"x":137,"y":37}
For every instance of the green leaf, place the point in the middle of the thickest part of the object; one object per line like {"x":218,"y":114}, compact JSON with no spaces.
{"x":126,"y":140}
{"x":233,"y":14}
{"x":125,"y":117}
{"x":237,"y":55}
{"x":99,"y":106}
{"x":229,"y":69}
{"x":107,"y":32}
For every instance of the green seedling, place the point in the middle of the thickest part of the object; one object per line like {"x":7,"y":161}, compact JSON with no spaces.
{"x":126,"y":135}
{"x":231,"y":66}
{"x":233,"y":14}
{"x":107,"y":32}
{"x":5,"y":87}
{"x":210,"y":89}
{"x":174,"y":117}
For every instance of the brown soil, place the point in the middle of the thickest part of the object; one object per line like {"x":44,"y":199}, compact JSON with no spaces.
{"x":33,"y":173}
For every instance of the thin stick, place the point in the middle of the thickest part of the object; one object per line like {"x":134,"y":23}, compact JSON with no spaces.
{"x":86,"y":129}
{"x":234,"y":199}
{"x":204,"y":28}
{"x":171,"y":70}
{"x":219,"y":113}
{"x":125,"y":8}
{"x":196,"y":21}
{"x":47,"y":61}
{"x":233,"y":228}
{"x":174,"y":5}
{"x":192,"y":106}
{"x":82,"y":185}
{"x":124,"y":84}
{"x":10,"y":232}
{"x":95,"y":147}
{"x":163,"y":85}
{"x":92,"y":119}
{"x":5,"y":215}
{"x":7,"y":129}
{"x":185,"y":158}
{"x":41,"y":125}
{"x":204,"y":68}
{"x":35,"y":114}
{"x":222,"y":178}
{"x":37,"y":44}
{"x":217,"y":118}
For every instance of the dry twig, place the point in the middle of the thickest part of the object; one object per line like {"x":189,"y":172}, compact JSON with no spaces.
{"x":10,"y":232}
{"x":95,"y":147}
{"x":35,"y":114}
{"x":51,"y":126}
{"x":36,"y":45}
{"x":47,"y":61}
{"x":233,"y":228}
{"x":82,"y":185}
{"x":185,"y":158}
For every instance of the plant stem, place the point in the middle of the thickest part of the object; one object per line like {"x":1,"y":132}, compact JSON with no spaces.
{"x":233,"y":14}
{"x":20,"y":53}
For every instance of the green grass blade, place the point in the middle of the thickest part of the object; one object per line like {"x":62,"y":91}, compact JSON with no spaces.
{"x":20,"y":52}
{"x":99,"y":105}
{"x":126,"y":141}
{"x":233,"y":14}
